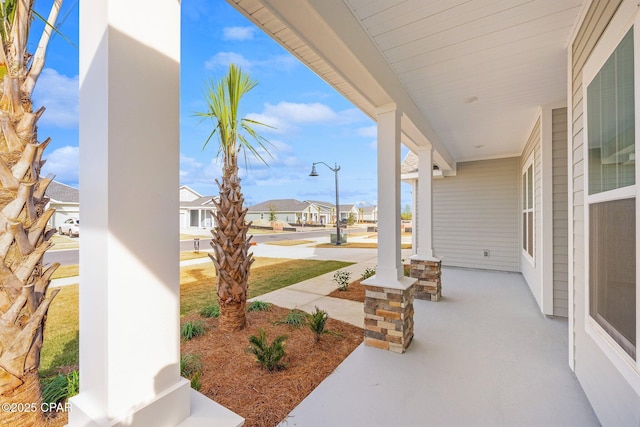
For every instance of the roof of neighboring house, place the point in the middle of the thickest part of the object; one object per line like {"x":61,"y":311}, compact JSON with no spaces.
{"x":368,"y":209}
{"x":197,"y":203}
{"x":63,"y":193}
{"x":280,"y":205}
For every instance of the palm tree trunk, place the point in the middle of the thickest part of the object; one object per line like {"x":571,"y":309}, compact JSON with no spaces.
{"x":230,"y":244}
{"x":24,"y":237}
{"x":21,"y":406}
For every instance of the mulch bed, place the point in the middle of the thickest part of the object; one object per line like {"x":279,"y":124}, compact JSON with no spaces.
{"x":234,"y":379}
{"x":355,"y":292}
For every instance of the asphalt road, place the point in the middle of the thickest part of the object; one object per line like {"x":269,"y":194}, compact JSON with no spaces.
{"x":70,"y":256}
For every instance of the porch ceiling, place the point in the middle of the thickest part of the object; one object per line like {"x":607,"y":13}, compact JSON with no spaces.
{"x":465,"y":73}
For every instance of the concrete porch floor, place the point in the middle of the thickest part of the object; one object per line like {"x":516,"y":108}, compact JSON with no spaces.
{"x":483,"y":355}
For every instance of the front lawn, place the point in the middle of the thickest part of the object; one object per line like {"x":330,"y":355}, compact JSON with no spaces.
{"x":60,"y":350}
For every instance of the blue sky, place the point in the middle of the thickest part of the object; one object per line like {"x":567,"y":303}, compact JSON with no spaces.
{"x":312,"y":121}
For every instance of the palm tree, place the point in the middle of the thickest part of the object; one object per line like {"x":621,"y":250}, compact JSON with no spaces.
{"x":231,"y":258}
{"x":24,"y":236}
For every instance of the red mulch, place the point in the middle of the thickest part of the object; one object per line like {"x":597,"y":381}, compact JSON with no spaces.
{"x":234,"y":379}
{"x":355,"y":292}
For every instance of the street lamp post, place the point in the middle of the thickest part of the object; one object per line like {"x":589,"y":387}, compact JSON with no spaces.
{"x":335,"y":170}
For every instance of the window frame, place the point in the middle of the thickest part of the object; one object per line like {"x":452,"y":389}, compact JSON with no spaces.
{"x":613,"y":35}
{"x":529,"y":163}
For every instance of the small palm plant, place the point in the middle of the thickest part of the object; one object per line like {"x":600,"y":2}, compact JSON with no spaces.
{"x":267,"y":355}
{"x":317,"y":322}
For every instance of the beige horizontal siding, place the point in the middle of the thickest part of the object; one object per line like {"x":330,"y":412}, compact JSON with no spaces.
{"x":475,"y":210}
{"x":560,"y":213}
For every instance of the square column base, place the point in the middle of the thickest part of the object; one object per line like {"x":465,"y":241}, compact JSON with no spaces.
{"x":388,"y":318}
{"x":428,"y":272}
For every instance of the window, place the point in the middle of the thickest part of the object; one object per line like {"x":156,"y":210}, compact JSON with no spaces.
{"x":528,"y":190}
{"x":611,"y":199}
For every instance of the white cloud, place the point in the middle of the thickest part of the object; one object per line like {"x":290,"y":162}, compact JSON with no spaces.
{"x":285,"y":115}
{"x":63,"y":163}
{"x":223,"y":59}
{"x":238,"y":33}
{"x":59,"y":95}
{"x":368,"y":131}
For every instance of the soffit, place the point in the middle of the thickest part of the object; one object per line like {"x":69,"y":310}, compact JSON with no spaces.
{"x":468,"y":73}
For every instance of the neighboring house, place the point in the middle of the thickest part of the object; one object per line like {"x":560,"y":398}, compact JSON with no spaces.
{"x":65,"y":200}
{"x":288,"y":210}
{"x":196,"y":210}
{"x":368,"y":214}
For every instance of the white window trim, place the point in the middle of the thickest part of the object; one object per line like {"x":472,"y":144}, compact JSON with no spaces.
{"x":529,"y":163}
{"x":616,"y":30}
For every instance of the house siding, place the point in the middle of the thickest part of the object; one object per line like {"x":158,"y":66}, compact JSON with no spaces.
{"x":612,"y":397}
{"x":531,"y":269}
{"x":560,"y":213}
{"x":476,"y":210}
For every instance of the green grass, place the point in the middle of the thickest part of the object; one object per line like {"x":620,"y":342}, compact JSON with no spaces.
{"x":197,"y":291}
{"x":66,"y":271}
{"x":61,"y":332}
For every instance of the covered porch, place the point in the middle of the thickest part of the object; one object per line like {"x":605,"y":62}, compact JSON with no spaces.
{"x":483,"y":355}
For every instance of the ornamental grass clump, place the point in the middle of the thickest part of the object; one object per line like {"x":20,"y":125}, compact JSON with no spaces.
{"x":212,"y":310}
{"x":295,"y":318}
{"x":259,"y":306}
{"x":342,"y":279}
{"x":192,"y":329}
{"x":267,"y":355}
{"x":191,"y":368}
{"x":60,"y":388}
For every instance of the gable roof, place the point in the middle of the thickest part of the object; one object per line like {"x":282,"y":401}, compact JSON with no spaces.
{"x":280,"y":205}
{"x":63,"y":193}
{"x":199,"y":202}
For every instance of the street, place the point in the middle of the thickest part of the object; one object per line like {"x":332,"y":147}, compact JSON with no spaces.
{"x":70,"y":256}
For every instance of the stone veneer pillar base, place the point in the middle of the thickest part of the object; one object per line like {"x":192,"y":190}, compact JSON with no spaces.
{"x":388,"y":318}
{"x":428,"y":272}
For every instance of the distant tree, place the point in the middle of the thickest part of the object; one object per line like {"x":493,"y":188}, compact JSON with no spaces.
{"x":351,"y":219}
{"x":406,"y":213}
{"x":272,"y":213}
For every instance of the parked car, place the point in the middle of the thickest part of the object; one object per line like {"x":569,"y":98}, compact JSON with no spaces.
{"x":70,"y":227}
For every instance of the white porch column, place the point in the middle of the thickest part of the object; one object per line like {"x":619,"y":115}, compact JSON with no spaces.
{"x":129,"y":293}
{"x":389,"y":238}
{"x":425,"y":266}
{"x":388,"y":306}
{"x":424,"y":202}
{"x":415,"y":217}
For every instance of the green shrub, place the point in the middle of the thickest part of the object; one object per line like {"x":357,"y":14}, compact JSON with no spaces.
{"x":267,"y":355}
{"x":212,"y":310}
{"x":60,"y":387}
{"x":317,"y":322}
{"x":259,"y":306}
{"x":191,"y":368}
{"x":368,"y":272}
{"x":295,"y":318}
{"x":342,"y":278}
{"x":192,"y":329}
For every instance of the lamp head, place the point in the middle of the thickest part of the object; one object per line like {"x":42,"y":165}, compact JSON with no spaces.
{"x":313,"y":170}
